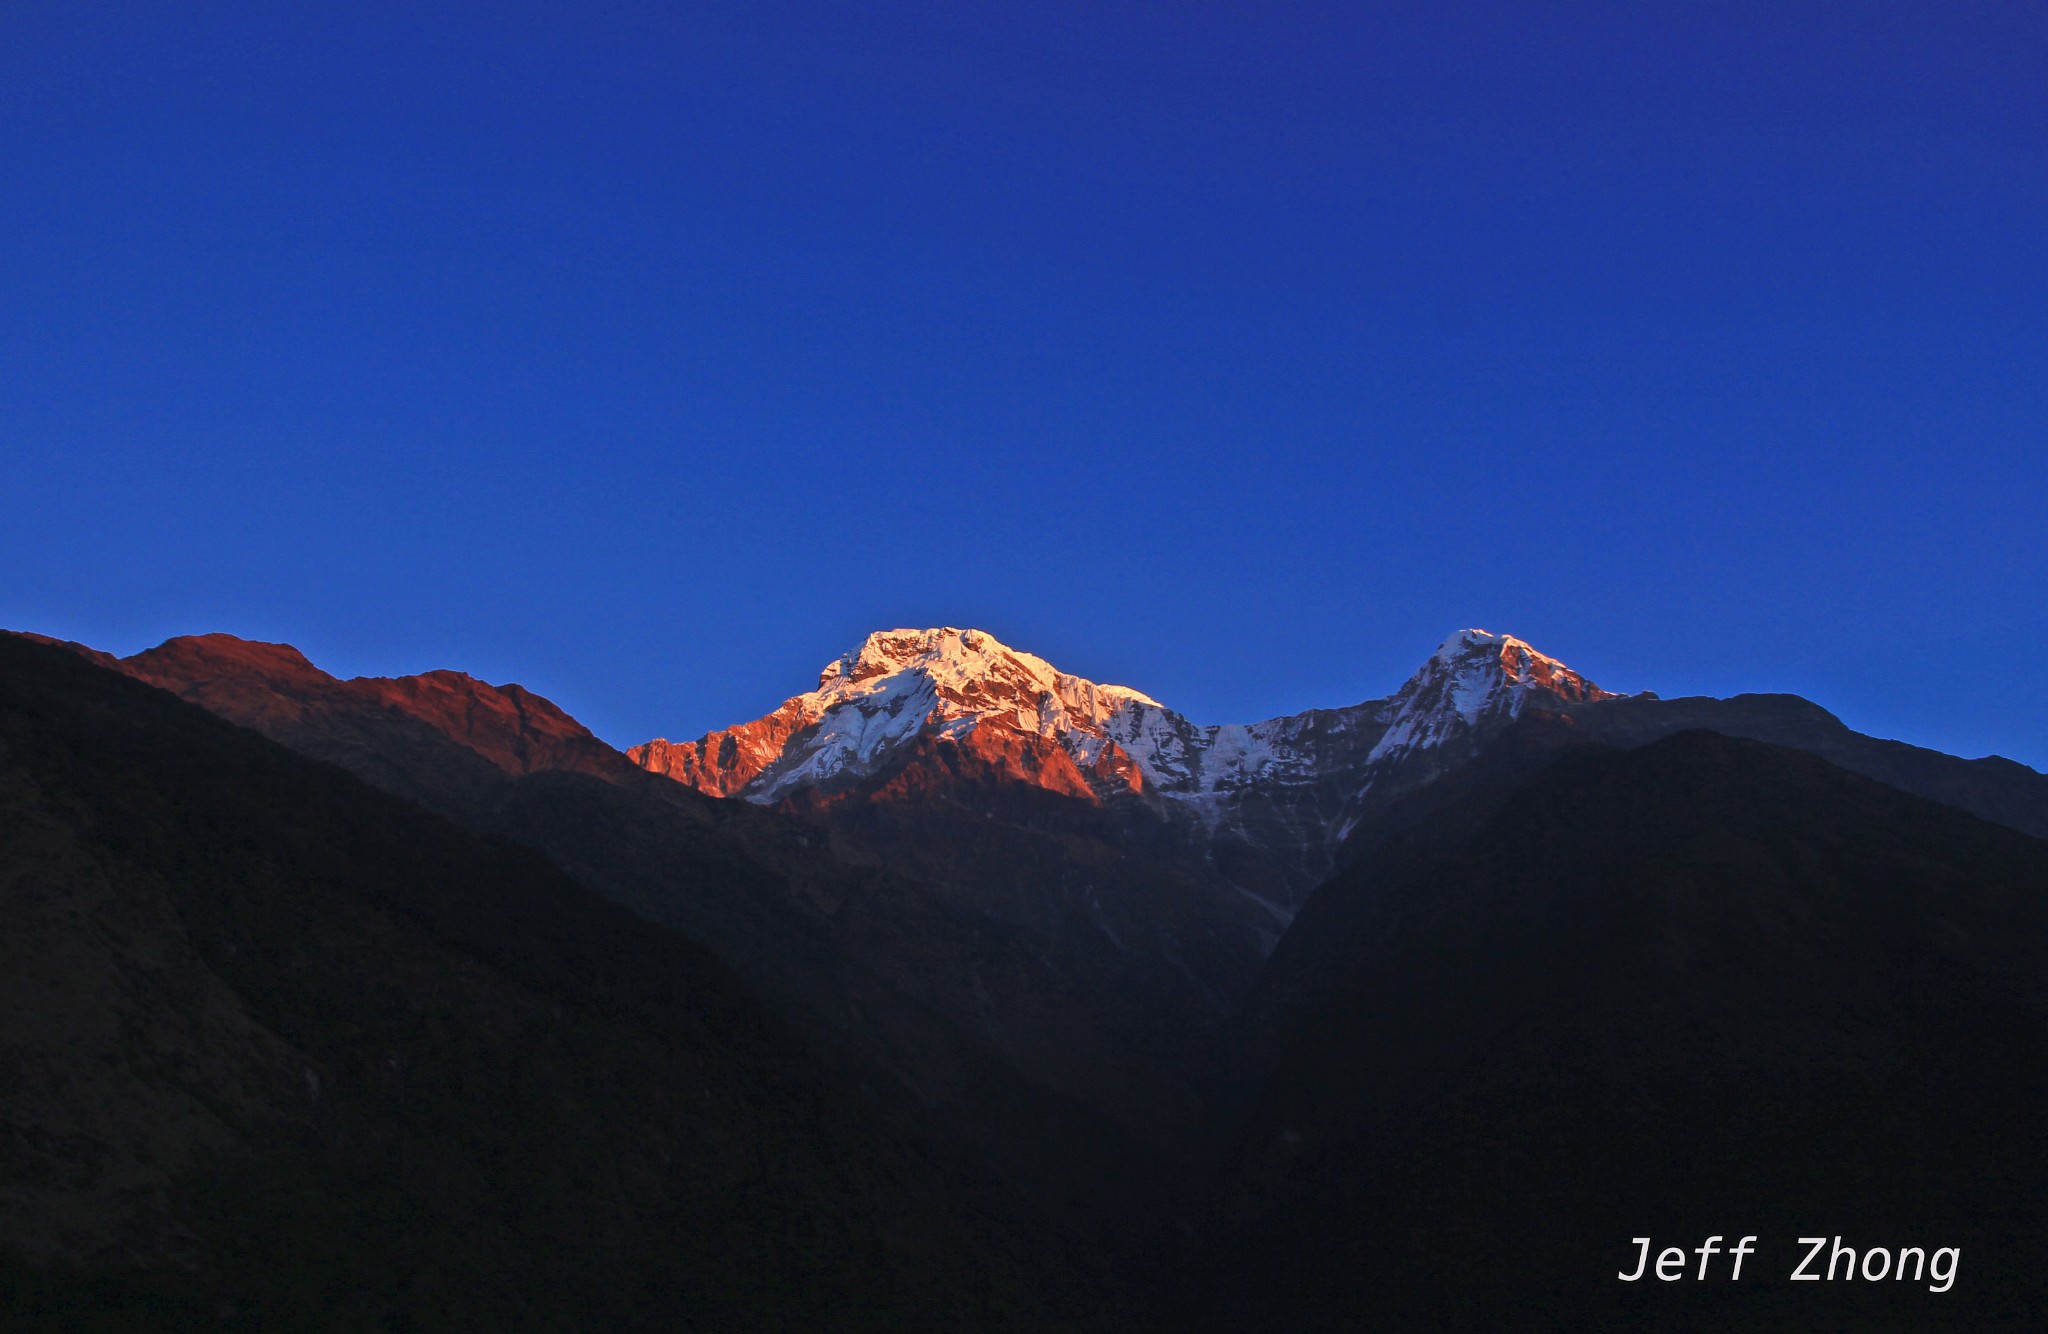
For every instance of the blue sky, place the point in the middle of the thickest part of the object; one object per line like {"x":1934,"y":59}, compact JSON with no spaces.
{"x":650,"y":355}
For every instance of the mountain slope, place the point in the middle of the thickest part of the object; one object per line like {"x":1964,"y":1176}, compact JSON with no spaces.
{"x":1993,"y":788}
{"x":392,"y":730}
{"x":285,"y":1049}
{"x":1705,"y":987}
{"x":1072,"y":1072}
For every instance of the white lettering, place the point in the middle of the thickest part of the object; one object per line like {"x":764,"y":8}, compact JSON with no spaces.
{"x":1741,"y":1249}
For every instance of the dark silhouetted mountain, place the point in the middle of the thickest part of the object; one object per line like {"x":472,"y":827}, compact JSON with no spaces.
{"x":284,"y":1051}
{"x":1070,"y":1066}
{"x":1583,"y":971}
{"x":1997,"y":789}
{"x":1707,"y":987}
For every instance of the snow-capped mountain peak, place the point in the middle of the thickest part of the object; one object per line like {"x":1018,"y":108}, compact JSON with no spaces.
{"x":969,"y":669}
{"x":894,"y":687}
{"x":1473,"y":679}
{"x":903,"y":697}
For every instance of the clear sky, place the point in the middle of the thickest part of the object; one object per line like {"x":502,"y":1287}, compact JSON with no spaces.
{"x":650,"y":354}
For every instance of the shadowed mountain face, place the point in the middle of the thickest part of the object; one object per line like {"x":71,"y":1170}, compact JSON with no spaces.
{"x":285,"y":1051}
{"x":1707,"y":987}
{"x":1580,"y":975}
{"x":1996,"y":789}
{"x":1072,"y":1065}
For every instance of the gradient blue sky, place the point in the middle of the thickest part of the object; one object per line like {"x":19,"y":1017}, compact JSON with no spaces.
{"x":651,"y":354}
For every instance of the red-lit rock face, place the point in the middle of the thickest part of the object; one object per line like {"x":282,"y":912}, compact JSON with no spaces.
{"x":1012,"y":712}
{"x":412,"y":734}
{"x":724,"y":763}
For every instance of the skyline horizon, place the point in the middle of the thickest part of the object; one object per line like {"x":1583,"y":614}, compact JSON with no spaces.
{"x":624,"y":742}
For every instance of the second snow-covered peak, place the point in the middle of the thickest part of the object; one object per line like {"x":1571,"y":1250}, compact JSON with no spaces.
{"x":1476,"y":677}
{"x":1516,"y":664}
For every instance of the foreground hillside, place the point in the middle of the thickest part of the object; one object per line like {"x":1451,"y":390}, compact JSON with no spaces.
{"x":1704,"y":988}
{"x":1063,"y":1062}
{"x":505,"y":1031}
{"x":285,"y":1051}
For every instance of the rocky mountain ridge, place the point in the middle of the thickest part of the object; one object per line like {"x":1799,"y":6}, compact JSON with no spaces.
{"x":914,"y":716}
{"x":1267,"y":802}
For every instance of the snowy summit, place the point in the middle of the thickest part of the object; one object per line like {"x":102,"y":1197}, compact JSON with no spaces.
{"x":900,"y":686}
